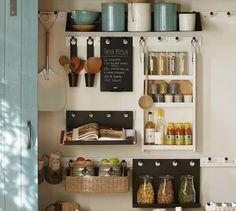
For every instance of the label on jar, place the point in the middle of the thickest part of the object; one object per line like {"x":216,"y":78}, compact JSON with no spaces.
{"x":188,"y":139}
{"x":179,"y":139}
{"x":170,"y":139}
{"x":149,"y":136}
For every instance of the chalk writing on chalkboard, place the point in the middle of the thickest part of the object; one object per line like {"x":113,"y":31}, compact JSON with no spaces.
{"x":116,"y":71}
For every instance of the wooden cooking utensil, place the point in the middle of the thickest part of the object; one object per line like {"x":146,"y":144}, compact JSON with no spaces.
{"x":93,"y":64}
{"x":145,"y":102}
{"x":74,"y":63}
{"x":81,"y":66}
{"x":63,"y":60}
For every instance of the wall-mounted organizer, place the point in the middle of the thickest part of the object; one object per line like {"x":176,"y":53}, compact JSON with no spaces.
{"x":159,"y":167}
{"x":171,"y":63}
{"x":109,"y":127}
{"x":214,"y":162}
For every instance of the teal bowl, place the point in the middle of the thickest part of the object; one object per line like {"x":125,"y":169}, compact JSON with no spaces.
{"x":84,"y":17}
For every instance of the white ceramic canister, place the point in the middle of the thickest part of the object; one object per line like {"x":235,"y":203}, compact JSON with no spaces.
{"x":187,"y":21}
{"x":139,"y":17}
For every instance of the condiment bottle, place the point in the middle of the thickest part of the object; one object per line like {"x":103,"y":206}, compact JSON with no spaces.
{"x":145,"y":194}
{"x":187,"y":192}
{"x":187,"y":134}
{"x":179,"y":134}
{"x":170,"y":134}
{"x":165,"y":193}
{"x":70,"y":168}
{"x":150,"y":128}
{"x":160,"y":128}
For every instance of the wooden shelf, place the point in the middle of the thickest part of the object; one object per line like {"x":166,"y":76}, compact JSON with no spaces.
{"x":196,"y":205}
{"x":101,"y":142}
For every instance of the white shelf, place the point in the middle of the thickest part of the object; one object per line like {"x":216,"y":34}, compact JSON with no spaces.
{"x":174,"y":105}
{"x":133,"y":34}
{"x":168,"y":147}
{"x":170,"y":77}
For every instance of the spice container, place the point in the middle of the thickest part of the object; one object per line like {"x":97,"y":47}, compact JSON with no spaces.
{"x":165,"y":194}
{"x":82,"y":169}
{"x":145,"y":194}
{"x":154,"y":88}
{"x":182,"y":62}
{"x":161,"y":63}
{"x":163,"y":88}
{"x":158,"y":98}
{"x":173,"y":88}
{"x":187,"y":192}
{"x":171,"y":63}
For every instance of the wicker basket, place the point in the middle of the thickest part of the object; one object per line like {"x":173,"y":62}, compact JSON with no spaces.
{"x":96,"y":184}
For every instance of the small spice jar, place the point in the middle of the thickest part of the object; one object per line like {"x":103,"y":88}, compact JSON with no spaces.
{"x":145,"y":194}
{"x":163,"y":88}
{"x":187,"y":192}
{"x":165,"y":194}
{"x":173,"y":88}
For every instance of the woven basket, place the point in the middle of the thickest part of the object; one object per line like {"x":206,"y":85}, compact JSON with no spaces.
{"x":96,"y":184}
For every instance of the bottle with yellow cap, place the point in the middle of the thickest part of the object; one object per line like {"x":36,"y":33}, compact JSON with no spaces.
{"x":160,"y":128}
{"x":170,"y":134}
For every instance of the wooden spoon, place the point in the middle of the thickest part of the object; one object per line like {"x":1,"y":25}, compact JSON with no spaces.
{"x":93,"y":64}
{"x":63,"y":60}
{"x":74,"y":63}
{"x":81,"y":66}
{"x":145,"y":102}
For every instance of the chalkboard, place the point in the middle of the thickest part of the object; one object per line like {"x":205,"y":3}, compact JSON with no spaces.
{"x":117,"y":66}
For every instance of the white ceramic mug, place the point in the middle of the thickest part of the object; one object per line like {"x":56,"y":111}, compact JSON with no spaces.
{"x":187,"y":21}
{"x":139,"y":17}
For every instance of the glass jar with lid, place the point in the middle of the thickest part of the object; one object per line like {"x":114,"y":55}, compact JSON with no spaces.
{"x":165,"y":193}
{"x":187,"y":192}
{"x":145,"y":194}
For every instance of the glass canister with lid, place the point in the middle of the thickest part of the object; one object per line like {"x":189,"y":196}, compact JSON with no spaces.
{"x":187,"y":192}
{"x":165,"y":193}
{"x":145,"y":194}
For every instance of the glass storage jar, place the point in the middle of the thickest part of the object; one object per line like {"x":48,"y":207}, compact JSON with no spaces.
{"x":165,"y":193}
{"x":145,"y":194}
{"x":187,"y":192}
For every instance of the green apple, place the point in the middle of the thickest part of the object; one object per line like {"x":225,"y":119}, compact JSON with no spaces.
{"x":114,"y":160}
{"x":104,"y":161}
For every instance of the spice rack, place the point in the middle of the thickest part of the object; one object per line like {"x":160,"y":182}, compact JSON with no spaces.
{"x":174,"y":111}
{"x":174,"y":167}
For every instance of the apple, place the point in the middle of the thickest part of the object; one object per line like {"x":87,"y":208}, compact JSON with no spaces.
{"x":104,"y":161}
{"x":114,"y":160}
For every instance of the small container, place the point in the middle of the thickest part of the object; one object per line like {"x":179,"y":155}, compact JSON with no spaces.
{"x":165,"y":193}
{"x":187,"y":21}
{"x":171,"y":63}
{"x":168,"y":98}
{"x":178,"y":98}
{"x":187,"y":192}
{"x":145,"y":194}
{"x":182,"y":63}
{"x":188,"y":98}
{"x":173,"y":88}
{"x":163,"y":88}
{"x":154,"y":88}
{"x":161,"y":63}
{"x":159,"y":98}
